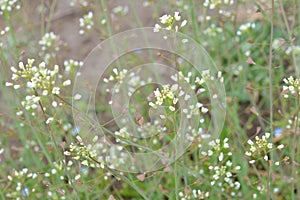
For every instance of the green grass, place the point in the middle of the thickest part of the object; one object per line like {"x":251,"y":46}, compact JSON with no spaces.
{"x":255,"y":104}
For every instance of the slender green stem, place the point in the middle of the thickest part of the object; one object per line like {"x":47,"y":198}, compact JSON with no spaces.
{"x":194,"y":21}
{"x":43,"y":18}
{"x":271,"y":99}
{"x":294,"y":147}
{"x":290,"y":35}
{"x":49,"y":20}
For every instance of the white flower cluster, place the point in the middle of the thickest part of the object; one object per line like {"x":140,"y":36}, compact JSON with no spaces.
{"x":86,"y":154}
{"x":212,"y":4}
{"x":50,"y":45}
{"x":292,"y":87}
{"x":121,"y":10}
{"x":81,"y":3}
{"x":166,"y":94}
{"x":4,"y":31}
{"x":24,"y":184}
{"x":19,"y":179}
{"x":213,"y":30}
{"x":170,"y":22}
{"x":293,"y":49}
{"x":206,"y":76}
{"x":118,"y":76}
{"x":8,"y":6}
{"x":134,"y":81}
{"x":97,"y":153}
{"x":39,"y":80}
{"x":86,"y":23}
{"x":195,"y":194}
{"x":292,"y":121}
{"x":245,"y":27}
{"x":223,"y":171}
{"x":122,"y":133}
{"x":260,"y":148}
{"x":71,"y":65}
{"x":49,"y":42}
{"x":2,"y":34}
{"x":278,"y":43}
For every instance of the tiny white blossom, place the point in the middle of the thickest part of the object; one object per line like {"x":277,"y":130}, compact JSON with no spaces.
{"x":49,"y":120}
{"x":67,"y":82}
{"x":56,"y":90}
{"x":280,"y":146}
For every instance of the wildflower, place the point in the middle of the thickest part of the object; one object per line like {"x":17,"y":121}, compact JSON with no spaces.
{"x":4,"y":31}
{"x":292,"y":87}
{"x":281,"y":146}
{"x":67,"y":82}
{"x":213,"y":30}
{"x":212,"y":4}
{"x":260,"y":147}
{"x":293,"y":50}
{"x":77,"y":97}
{"x":121,"y":10}
{"x":49,"y":120}
{"x":170,"y":22}
{"x":165,"y":95}
{"x":252,"y":161}
{"x":49,"y":41}
{"x":40,"y":81}
{"x":72,"y":65}
{"x":81,"y":3}
{"x":8,"y":6}
{"x":56,"y":90}
{"x":245,"y":27}
{"x":86,"y":23}
{"x":195,"y":194}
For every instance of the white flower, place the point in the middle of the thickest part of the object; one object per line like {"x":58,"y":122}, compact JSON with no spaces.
{"x":221,"y":156}
{"x":54,"y":104}
{"x":156,"y":28}
{"x":204,"y":110}
{"x":85,"y":162}
{"x":152,"y":104}
{"x":177,"y":17}
{"x":280,"y":146}
{"x":67,"y":82}
{"x":252,"y":161}
{"x":56,"y":90}
{"x":165,"y":18}
{"x":250,"y":142}
{"x":171,"y":108}
{"x":86,"y":23}
{"x":77,"y":97}
{"x":49,"y":120}
{"x":16,"y":87}
{"x":184,"y":22}
{"x":270,"y":145}
{"x":30,"y":84}
{"x":7,"y":84}
{"x":45,"y":93}
{"x":170,"y":22}
{"x":77,"y":177}
{"x":48,"y":41}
